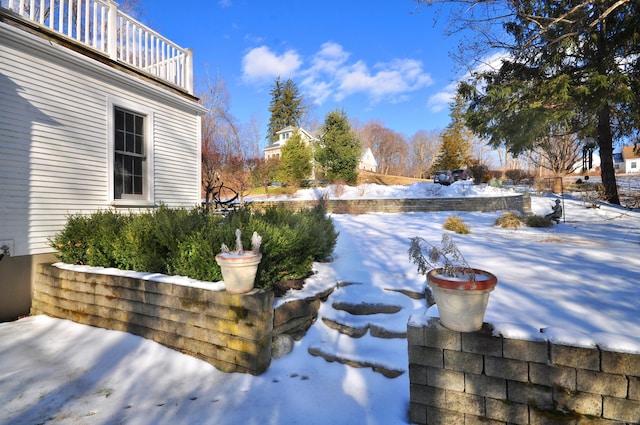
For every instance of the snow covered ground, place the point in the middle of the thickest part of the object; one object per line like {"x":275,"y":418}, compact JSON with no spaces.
{"x":579,"y":281}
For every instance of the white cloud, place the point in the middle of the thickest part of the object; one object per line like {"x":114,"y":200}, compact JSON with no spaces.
{"x":261,"y":64}
{"x":329,"y":59}
{"x":330,"y":73}
{"x":442,"y":99}
{"x":389,"y":80}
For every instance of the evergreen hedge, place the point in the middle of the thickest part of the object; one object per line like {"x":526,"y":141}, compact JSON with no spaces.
{"x":185,"y":242}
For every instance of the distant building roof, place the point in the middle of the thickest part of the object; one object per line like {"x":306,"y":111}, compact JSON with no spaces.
{"x":630,"y":152}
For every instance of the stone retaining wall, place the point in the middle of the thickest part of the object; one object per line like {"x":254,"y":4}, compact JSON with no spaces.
{"x":478,"y":378}
{"x":516,"y":202}
{"x":232,"y":332}
{"x":295,"y":317}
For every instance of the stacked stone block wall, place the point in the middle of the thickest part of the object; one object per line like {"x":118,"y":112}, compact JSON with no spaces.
{"x":295,"y":317}
{"x":517,"y":202}
{"x":479,"y":378}
{"x":232,"y":332}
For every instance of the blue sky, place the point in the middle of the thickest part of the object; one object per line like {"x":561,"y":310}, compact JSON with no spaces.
{"x":376,"y":59}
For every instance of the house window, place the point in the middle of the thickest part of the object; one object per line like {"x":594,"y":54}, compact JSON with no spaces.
{"x":634,"y":165}
{"x":131,"y":164}
{"x":129,"y":154}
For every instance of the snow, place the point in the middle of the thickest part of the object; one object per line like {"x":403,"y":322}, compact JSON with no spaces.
{"x":576,"y":283}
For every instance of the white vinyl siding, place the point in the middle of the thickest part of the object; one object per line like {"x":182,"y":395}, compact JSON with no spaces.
{"x":54,"y":138}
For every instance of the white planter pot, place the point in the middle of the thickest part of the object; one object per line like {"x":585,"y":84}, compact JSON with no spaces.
{"x":239,"y":271}
{"x":462,"y":303}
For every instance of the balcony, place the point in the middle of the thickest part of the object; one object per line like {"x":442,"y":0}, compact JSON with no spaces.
{"x":102,"y":27}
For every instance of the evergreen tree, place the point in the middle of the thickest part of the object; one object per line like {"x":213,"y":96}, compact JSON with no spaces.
{"x":340,"y":150}
{"x":456,"y":140}
{"x":573,"y":62}
{"x":285,"y":108}
{"x":295,"y":163}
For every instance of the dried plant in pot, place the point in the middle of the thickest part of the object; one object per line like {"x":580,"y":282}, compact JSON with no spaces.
{"x":239,"y":267}
{"x":460,"y":291}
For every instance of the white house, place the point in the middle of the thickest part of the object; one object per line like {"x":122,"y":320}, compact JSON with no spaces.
{"x":96,"y":111}
{"x":367,"y":160}
{"x":627,"y":161}
{"x":274,"y":150}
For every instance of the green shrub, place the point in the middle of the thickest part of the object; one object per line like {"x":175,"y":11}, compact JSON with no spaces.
{"x":538,"y":221}
{"x":455,"y":224}
{"x":91,"y":239}
{"x":291,"y":242}
{"x":509,"y":219}
{"x":154,"y":237}
{"x":185,"y":242}
{"x":196,"y":258}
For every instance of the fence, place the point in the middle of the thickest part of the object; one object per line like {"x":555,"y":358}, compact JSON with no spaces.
{"x":100,"y":25}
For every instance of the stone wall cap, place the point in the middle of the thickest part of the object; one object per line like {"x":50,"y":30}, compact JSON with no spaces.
{"x":156,"y":277}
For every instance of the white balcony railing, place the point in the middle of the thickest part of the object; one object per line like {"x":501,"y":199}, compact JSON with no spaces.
{"x":102,"y":26}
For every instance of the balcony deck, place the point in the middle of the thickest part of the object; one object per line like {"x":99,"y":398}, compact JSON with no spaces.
{"x":99,"y":26}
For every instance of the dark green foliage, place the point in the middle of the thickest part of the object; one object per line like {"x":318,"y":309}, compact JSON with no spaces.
{"x":456,"y":141}
{"x":295,"y":164}
{"x":80,"y":243}
{"x":285,"y":108}
{"x":185,"y":242}
{"x":538,"y":221}
{"x":340,"y":150}
{"x":570,"y":66}
{"x":153,"y":237}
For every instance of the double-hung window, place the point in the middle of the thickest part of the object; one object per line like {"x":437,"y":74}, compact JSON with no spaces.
{"x":130,"y":156}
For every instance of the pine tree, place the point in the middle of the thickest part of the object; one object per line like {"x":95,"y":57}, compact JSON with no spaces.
{"x":340,"y":150}
{"x":570,"y":63}
{"x":456,"y":140}
{"x":295,"y":164}
{"x":285,"y":108}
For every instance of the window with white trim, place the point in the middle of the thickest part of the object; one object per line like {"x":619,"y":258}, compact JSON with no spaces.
{"x":131,"y":156}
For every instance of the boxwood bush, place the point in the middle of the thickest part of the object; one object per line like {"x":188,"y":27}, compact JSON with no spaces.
{"x":185,"y":242}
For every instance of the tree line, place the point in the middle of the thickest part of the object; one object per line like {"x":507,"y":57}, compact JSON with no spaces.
{"x":565,"y":80}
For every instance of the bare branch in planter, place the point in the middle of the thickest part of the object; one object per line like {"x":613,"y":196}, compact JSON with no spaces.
{"x":446,"y":256}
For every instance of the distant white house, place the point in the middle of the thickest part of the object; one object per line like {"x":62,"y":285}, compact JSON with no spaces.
{"x":627,"y":161}
{"x":366,"y":162}
{"x":97,"y":111}
{"x":274,"y":150}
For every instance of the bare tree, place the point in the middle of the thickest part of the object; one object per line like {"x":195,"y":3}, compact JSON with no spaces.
{"x":233,"y":145}
{"x":424,"y":146}
{"x":210,"y":176}
{"x":264,"y":171}
{"x":389,"y":147}
{"x":557,"y":153}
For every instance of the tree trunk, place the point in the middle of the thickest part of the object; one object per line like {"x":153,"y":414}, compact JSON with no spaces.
{"x":605,"y":143}
{"x":556,"y":185}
